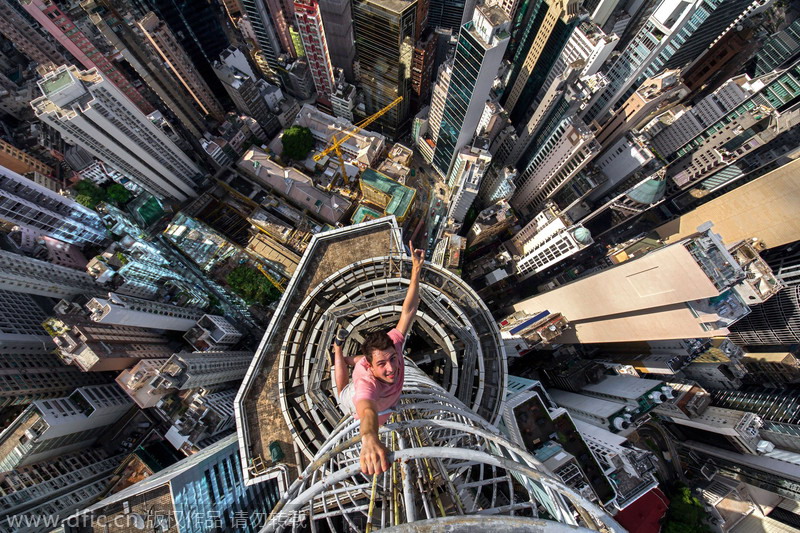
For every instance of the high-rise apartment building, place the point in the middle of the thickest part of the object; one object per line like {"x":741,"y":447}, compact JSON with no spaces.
{"x":49,"y":428}
{"x":694,"y":288}
{"x":180,"y":65}
{"x":22,"y":317}
{"x":30,"y":371}
{"x":673,"y":35}
{"x":147,"y":63}
{"x":548,"y":239}
{"x":60,"y":26}
{"x":27,"y":38}
{"x":269,"y":47}
{"x":775,"y":322}
{"x":384,"y":36}
{"x":32,"y":276}
{"x":563,"y":154}
{"x":130,"y":311}
{"x":202,"y":369}
{"x":337,"y":17}
{"x":470,"y":166}
{"x":315,"y":44}
{"x":92,"y":113}
{"x":20,"y":162}
{"x":38,"y":209}
{"x":479,"y":52}
{"x":94,"y":347}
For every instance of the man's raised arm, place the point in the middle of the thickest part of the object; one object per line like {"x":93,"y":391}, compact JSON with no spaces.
{"x":411,"y":302}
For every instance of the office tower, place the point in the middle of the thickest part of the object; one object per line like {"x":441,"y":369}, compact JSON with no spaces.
{"x":685,"y":125}
{"x":611,"y":415}
{"x":212,"y":332}
{"x":337,"y":18}
{"x":384,"y":34}
{"x":654,"y":93}
{"x":146,"y":62}
{"x":548,"y":239}
{"x":94,"y":347}
{"x":269,"y":47}
{"x":202,"y":369}
{"x":449,"y":14}
{"x":22,"y":317}
{"x":32,"y":276}
{"x":694,"y":288}
{"x":774,"y":322}
{"x":50,"y":490}
{"x":207,"y":484}
{"x":587,"y":47}
{"x":778,"y":408}
{"x":246,"y":92}
{"x":778,"y":49}
{"x":38,"y":209}
{"x":180,"y":64}
{"x":92,"y":113}
{"x":49,"y":428}
{"x":469,"y":168}
{"x":129,"y":311}
{"x":60,"y":26}
{"x":20,"y":162}
{"x":315,"y":43}
{"x":27,"y":37}
{"x":563,"y":154}
{"x":540,"y":30}
{"x":674,"y":35}
{"x":481,"y":44}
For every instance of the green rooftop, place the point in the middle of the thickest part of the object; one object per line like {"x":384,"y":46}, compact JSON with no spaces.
{"x":364,"y":213}
{"x":401,"y":196}
{"x":56,"y":83}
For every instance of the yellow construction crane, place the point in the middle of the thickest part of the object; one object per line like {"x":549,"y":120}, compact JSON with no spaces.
{"x":278,"y":285}
{"x":336,"y":143}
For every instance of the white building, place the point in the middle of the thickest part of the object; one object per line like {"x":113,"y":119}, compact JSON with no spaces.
{"x":94,"y":114}
{"x":612,"y":415}
{"x":32,"y":276}
{"x":560,"y":157}
{"x":465,"y":180}
{"x":212,"y":332}
{"x":642,"y":394}
{"x":364,"y":147}
{"x":343,"y":99}
{"x":48,"y":428}
{"x":739,"y":428}
{"x":39,"y":209}
{"x":202,"y":369}
{"x":129,"y":311}
{"x":547,"y":240}
{"x":135,"y":381}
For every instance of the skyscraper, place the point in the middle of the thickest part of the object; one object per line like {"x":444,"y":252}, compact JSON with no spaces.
{"x":694,"y":288}
{"x":21,"y":319}
{"x":315,"y":44}
{"x":180,"y":64}
{"x":32,"y":276}
{"x":60,"y":26}
{"x":470,"y":166}
{"x":384,"y":34}
{"x":481,"y":44}
{"x":246,"y":91}
{"x":775,"y":322}
{"x":450,"y":14}
{"x":130,"y":311}
{"x":202,"y":369}
{"x":337,"y":17}
{"x":41,"y":210}
{"x":94,"y":114}
{"x":267,"y":41}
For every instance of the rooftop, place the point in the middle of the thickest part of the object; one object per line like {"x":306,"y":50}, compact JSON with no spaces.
{"x":401,"y":196}
{"x":58,"y":80}
{"x":364,"y":213}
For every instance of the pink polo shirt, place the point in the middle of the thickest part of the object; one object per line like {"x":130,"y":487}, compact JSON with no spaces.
{"x":366,"y":387}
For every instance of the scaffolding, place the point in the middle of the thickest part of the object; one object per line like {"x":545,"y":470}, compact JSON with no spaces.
{"x":449,"y":468}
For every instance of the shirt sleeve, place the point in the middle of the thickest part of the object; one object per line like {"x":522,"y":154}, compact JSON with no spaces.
{"x":397,"y":337}
{"x":364,"y":389}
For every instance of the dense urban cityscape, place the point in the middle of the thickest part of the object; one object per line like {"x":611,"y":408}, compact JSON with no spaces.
{"x":414,"y":265}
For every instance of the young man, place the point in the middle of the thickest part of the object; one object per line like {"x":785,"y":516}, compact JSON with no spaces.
{"x":378,"y":375}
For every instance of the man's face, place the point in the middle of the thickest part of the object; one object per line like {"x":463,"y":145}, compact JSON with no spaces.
{"x":384,"y":365}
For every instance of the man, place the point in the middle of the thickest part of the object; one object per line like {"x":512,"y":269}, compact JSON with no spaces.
{"x":378,"y":375}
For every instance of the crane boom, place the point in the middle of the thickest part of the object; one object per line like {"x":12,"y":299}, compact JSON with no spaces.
{"x":337,"y":142}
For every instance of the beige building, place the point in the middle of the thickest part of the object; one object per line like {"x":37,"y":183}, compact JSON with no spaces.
{"x":690,"y":289}
{"x":765,"y":208}
{"x":15,"y":159}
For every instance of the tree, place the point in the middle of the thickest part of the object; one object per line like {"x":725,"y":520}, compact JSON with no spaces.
{"x":251,"y":285}
{"x":685,"y":514}
{"x":88,"y":194}
{"x":297,"y":142}
{"x":86,"y":201}
{"x":117,"y":193}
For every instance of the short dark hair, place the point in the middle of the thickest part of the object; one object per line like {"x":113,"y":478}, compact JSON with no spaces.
{"x":377,"y":340}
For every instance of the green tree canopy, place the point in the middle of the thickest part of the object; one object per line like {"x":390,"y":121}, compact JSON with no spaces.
{"x":297,"y":142}
{"x":252,"y":285}
{"x":685,"y":514}
{"x":87,"y":188}
{"x":86,"y":201}
{"x":117,"y":193}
